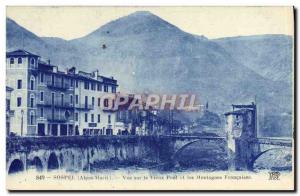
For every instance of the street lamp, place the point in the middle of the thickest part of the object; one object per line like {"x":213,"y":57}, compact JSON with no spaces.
{"x":22,"y":114}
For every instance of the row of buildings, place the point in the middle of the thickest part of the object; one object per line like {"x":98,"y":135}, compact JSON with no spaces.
{"x":42,"y":100}
{"x":47,"y":101}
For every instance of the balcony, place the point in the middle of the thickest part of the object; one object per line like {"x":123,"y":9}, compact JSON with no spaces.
{"x":56,"y":104}
{"x":84,"y":107}
{"x":104,"y":109}
{"x":10,"y":113}
{"x":59,"y":118}
{"x":64,"y":105}
{"x":58,"y":86}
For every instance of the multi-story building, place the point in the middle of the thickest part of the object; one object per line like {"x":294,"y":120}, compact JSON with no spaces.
{"x":48,"y":101}
{"x":54,"y":102}
{"x":91,"y":118}
{"x":9,"y":112}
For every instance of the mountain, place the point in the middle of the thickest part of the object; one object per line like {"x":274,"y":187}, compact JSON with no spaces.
{"x":268,"y":55}
{"x":147,"y":54}
{"x":18,"y":37}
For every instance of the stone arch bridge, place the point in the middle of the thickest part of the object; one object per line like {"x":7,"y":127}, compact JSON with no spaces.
{"x":82,"y":153}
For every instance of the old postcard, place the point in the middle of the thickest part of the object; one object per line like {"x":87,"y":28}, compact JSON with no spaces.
{"x":150,"y":98}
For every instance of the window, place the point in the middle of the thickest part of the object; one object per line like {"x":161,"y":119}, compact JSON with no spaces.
{"x":98,"y":118}
{"x":42,"y":78}
{"x":52,"y":98}
{"x":105,"y":88}
{"x":52,"y":79}
{"x":105,"y":102}
{"x":113,"y":89}
{"x":42,"y":112}
{"x":62,"y":99}
{"x":32,"y":79}
{"x":31,"y":84}
{"x":109,"y":120}
{"x":19,"y":84}
{"x":71,"y":99}
{"x":7,"y":104}
{"x":67,"y":115}
{"x":85,"y":117}
{"x":93,"y":86}
{"x":31,"y":118}
{"x":41,"y":96}
{"x":52,"y":113}
{"x":76,"y":99}
{"x":31,"y":100}
{"x":76,"y":116}
{"x":19,"y":101}
{"x":71,"y":83}
{"x":76,"y":83}
{"x":92,"y":117}
{"x":12,"y":60}
{"x":99,"y":87}
{"x":93,"y":101}
{"x":19,"y":60}
{"x":62,"y":81}
{"x":32,"y":61}
{"x":86,"y":101}
{"x":99,"y":101}
{"x":86,"y":85}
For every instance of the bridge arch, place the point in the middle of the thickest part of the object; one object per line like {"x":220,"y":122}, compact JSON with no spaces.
{"x":185,"y":145}
{"x":37,"y":162}
{"x":210,"y":153}
{"x":252,"y":161}
{"x":16,"y":166}
{"x":182,"y":148}
{"x":53,"y":161}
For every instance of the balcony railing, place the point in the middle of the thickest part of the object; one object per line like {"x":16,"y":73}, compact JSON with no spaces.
{"x":10,"y":113}
{"x":58,"y":86}
{"x":56,"y":104}
{"x":59,"y":118}
{"x":84,"y":106}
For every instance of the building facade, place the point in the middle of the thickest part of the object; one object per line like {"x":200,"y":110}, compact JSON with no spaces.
{"x":50,"y":102}
{"x":9,"y":113}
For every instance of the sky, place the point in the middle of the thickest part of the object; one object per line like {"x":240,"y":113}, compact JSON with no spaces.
{"x":213,"y":22}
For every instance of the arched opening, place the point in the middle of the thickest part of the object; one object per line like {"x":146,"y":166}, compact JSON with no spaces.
{"x":19,"y":60}
{"x":279,"y":159}
{"x":32,"y":61}
{"x":67,"y":114}
{"x":32,"y":80}
{"x":11,"y":60}
{"x":16,"y":166}
{"x":76,"y":130}
{"x":204,"y":154}
{"x":32,"y":100}
{"x":31,"y":118}
{"x":53,"y":162}
{"x":37,"y":163}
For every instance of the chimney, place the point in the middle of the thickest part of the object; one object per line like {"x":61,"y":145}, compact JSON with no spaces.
{"x":55,"y":69}
{"x":48,"y":61}
{"x":96,"y":73}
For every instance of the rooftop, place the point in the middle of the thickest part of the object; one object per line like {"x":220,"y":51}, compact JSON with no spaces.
{"x":238,"y":112}
{"x":20,"y":52}
{"x":46,"y":66}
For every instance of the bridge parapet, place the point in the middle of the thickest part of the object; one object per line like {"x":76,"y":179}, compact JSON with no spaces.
{"x":276,"y":141}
